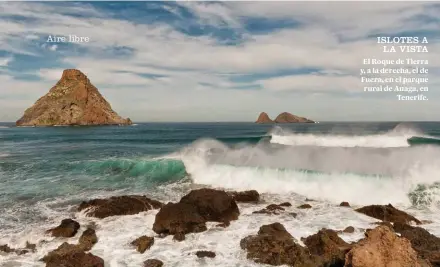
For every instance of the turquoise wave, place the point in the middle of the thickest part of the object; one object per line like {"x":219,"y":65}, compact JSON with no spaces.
{"x":158,"y":170}
{"x":417,"y":140}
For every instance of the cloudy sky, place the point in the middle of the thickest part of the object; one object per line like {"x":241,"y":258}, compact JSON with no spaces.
{"x":216,"y":61}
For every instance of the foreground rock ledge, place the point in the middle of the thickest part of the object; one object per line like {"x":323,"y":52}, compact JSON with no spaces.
{"x":72,"y":101}
{"x":275,"y":246}
{"x":382,"y":247}
{"x":118,"y":205}
{"x":426,"y":244}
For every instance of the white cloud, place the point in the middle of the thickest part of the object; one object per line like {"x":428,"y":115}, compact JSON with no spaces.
{"x":196,"y":83}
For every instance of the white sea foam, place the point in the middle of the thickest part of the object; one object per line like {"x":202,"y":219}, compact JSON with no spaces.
{"x":394,"y":138}
{"x":359,"y":175}
{"x":362,"y":176}
{"x":116,"y":233}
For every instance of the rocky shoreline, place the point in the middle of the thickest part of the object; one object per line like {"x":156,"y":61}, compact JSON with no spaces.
{"x":399,"y":239}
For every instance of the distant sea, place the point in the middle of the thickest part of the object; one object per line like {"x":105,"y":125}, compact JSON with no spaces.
{"x":46,"y":172}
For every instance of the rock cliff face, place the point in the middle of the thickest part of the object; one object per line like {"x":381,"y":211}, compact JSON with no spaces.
{"x":72,"y":101}
{"x":284,"y":117}
{"x":264,"y":118}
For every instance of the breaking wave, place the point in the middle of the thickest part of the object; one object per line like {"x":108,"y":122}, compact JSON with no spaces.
{"x":359,"y":175}
{"x":395,"y":138}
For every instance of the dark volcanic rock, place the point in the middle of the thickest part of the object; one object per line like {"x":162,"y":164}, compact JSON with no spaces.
{"x":6,"y":248}
{"x":179,"y":237}
{"x":348,"y":230}
{"x":31,"y":247}
{"x":304,"y":206}
{"x":285,"y":204}
{"x":28,"y":248}
{"x":67,"y":228}
{"x":143,"y":243}
{"x":67,"y":255}
{"x":203,"y":254}
{"x":153,"y":263}
{"x":344,"y":204}
{"x":286,"y":117}
{"x":272,"y":209}
{"x":120,"y":205}
{"x":213,"y":205}
{"x":263,"y":118}
{"x":88,"y":239}
{"x":275,"y":246}
{"x":388,"y":213}
{"x":426,"y":244}
{"x":245,"y":196}
{"x":72,"y":101}
{"x":329,"y":246}
{"x":382,"y":247}
{"x":176,"y":218}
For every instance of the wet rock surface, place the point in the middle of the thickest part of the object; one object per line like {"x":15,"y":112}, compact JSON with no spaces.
{"x":275,"y":246}
{"x":251,"y":196}
{"x":214,"y":205}
{"x":205,"y":254}
{"x":426,"y":244}
{"x":68,"y":255}
{"x":272,"y":209}
{"x":193,"y":211}
{"x":88,"y":239}
{"x":344,"y":204}
{"x":304,"y":206}
{"x":175,"y":218}
{"x":388,"y":213}
{"x":382,"y":247}
{"x":118,"y":205}
{"x":153,"y":263}
{"x":67,"y":228}
{"x":329,"y":246}
{"x":143,"y":243}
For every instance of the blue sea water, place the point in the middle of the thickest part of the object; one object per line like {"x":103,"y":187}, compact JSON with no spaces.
{"x":45,"y":172}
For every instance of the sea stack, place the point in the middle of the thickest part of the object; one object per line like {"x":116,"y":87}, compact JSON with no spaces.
{"x":72,"y":101}
{"x":286,"y":117}
{"x":264,"y":118}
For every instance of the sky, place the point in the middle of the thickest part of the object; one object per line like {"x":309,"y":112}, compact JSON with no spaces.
{"x":217,"y":61}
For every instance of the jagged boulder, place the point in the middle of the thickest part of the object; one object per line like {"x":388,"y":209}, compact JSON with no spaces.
{"x":426,"y":244}
{"x":120,"y":205}
{"x":178,"y":219}
{"x":382,"y":247}
{"x":388,"y":213}
{"x":328,"y":245}
{"x":213,"y":205}
{"x":88,"y":239}
{"x":72,"y":101}
{"x":153,"y":263}
{"x":68,"y":255}
{"x":205,"y":254}
{"x":275,"y":246}
{"x":143,"y":243}
{"x":67,"y":228}
{"x":251,"y":196}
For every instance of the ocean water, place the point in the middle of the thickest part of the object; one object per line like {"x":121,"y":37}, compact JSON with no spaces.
{"x":46,"y":172}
